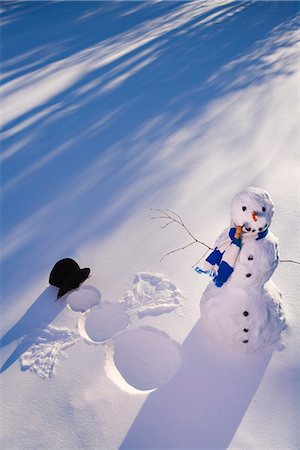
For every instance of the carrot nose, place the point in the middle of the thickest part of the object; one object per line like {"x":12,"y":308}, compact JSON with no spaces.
{"x":254,"y":216}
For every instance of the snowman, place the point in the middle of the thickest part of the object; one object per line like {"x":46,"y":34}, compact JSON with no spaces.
{"x":241,"y":306}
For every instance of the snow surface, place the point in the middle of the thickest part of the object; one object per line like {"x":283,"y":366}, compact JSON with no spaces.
{"x":111,"y":109}
{"x":146,"y":358}
{"x":152,"y":295}
{"x":45,"y":349}
{"x":104,"y":322}
{"x":83,"y":299}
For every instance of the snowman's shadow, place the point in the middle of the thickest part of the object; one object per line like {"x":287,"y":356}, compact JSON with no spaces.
{"x":203,"y":405}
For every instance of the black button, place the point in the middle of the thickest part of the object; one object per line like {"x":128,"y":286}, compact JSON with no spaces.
{"x":250,"y":257}
{"x":245,"y":313}
{"x":248,"y":275}
{"x":245,"y":341}
{"x":245,"y":330}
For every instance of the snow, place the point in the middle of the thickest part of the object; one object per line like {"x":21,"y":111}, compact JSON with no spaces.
{"x":83,"y":299}
{"x":146,"y":358}
{"x":111,"y":109}
{"x":246,"y":319}
{"x":45,"y":349}
{"x":204,"y":402}
{"x":152,"y":294}
{"x":245,"y":311}
{"x":252,"y":200}
{"x":104,"y":322}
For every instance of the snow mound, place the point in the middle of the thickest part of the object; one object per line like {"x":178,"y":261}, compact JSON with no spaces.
{"x":152,"y":295}
{"x":45,"y":350}
{"x":146,"y":358}
{"x":83,"y":299}
{"x":103,"y":322}
{"x":245,"y":321}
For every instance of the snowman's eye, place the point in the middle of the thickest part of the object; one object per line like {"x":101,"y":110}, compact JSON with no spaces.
{"x":244,"y":208}
{"x":263,"y":209}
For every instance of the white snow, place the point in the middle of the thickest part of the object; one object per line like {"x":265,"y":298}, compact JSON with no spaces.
{"x":223,"y":317}
{"x":146,"y":358}
{"x":110,"y":110}
{"x":45,"y":349}
{"x":103,"y":322}
{"x":83,"y":299}
{"x":152,"y":294}
{"x":246,"y":311}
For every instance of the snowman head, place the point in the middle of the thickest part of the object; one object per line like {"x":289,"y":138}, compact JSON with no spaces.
{"x":252,"y":208}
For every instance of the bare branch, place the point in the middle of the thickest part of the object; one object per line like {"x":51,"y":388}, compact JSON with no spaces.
{"x":176,"y":215}
{"x":166,"y":224}
{"x":177,"y":250}
{"x":173,"y":217}
{"x":159,"y":217}
{"x":158,"y":210}
{"x":289,"y":261}
{"x":203,"y":256}
{"x":180,"y":222}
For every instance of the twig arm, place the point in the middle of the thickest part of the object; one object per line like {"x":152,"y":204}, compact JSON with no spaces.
{"x":171,"y":218}
{"x":289,"y":261}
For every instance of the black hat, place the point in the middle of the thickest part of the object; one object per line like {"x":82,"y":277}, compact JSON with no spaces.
{"x":67,"y":275}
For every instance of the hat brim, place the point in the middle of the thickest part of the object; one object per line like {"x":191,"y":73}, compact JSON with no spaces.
{"x":74,"y":281}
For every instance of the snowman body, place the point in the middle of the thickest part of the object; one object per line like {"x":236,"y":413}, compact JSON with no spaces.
{"x":245,"y":312}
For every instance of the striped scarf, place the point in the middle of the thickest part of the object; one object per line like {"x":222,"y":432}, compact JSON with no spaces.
{"x":221,"y":262}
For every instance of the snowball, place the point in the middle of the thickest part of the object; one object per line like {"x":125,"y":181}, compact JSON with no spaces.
{"x":246,"y":321}
{"x":251,"y":200}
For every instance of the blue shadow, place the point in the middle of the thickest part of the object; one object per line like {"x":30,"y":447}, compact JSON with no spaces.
{"x":76,"y":164}
{"x":203,"y":405}
{"x":40,"y":314}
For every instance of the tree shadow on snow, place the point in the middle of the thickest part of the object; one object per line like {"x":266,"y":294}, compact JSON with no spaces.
{"x":40,"y":314}
{"x":203,"y":405}
{"x":140,"y":73}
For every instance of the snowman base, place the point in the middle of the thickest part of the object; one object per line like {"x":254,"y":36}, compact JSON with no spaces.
{"x":244,"y":321}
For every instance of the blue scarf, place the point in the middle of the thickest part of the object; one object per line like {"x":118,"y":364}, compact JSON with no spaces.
{"x":224,"y":258}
